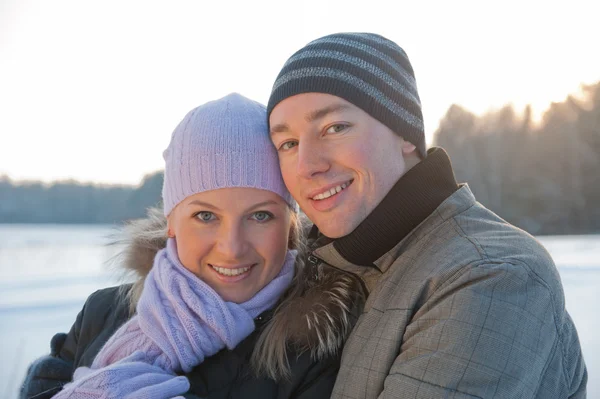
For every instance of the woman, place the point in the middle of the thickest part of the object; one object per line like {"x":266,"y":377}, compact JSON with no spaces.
{"x":226,"y":309}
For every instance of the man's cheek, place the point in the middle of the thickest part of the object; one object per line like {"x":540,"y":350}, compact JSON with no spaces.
{"x":288,"y":173}
{"x":358,"y":155}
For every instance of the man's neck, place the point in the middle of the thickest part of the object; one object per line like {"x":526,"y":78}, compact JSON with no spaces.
{"x":410,"y":161}
{"x":412,"y":199}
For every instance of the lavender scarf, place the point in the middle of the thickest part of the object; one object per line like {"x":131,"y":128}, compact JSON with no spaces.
{"x":180,"y":320}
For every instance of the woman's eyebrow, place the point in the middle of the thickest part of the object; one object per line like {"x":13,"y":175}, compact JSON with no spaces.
{"x":252,"y":207}
{"x":204,"y":204}
{"x":261,"y":204}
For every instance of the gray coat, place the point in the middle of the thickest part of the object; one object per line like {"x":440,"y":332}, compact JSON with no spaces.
{"x":465,"y":306}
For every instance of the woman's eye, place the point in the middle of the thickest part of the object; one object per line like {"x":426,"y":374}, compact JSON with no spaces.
{"x":338,"y":127}
{"x":262,"y":216}
{"x":288,"y":145}
{"x":205,"y":216}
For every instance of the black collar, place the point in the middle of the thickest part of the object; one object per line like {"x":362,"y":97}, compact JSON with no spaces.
{"x":412,"y":199}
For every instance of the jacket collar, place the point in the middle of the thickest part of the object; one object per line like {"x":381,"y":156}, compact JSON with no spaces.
{"x":411,"y":200}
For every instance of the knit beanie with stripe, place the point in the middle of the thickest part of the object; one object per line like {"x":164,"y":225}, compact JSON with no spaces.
{"x":221,"y":144}
{"x":365,"y":69}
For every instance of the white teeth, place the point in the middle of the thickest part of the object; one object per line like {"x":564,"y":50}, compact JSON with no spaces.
{"x":230,"y":272}
{"x":330,"y":192}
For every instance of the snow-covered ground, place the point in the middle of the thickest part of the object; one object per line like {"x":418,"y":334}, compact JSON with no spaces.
{"x":47,"y":271}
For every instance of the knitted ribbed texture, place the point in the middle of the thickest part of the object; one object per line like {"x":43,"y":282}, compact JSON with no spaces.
{"x":180,"y":320}
{"x":366,"y":69}
{"x":221,"y":144}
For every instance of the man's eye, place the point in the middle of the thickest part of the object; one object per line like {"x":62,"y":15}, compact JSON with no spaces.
{"x":338,"y":127}
{"x":205,"y":216}
{"x":288,"y":145}
{"x":262,"y":216}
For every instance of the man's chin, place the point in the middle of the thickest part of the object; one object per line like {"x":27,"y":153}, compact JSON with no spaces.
{"x":334,"y":227}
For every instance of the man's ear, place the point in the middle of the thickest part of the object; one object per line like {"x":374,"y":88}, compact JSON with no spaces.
{"x":408,"y":147}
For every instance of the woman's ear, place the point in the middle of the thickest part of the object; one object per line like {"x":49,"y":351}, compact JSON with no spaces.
{"x":295,"y":231}
{"x":291,"y":240}
{"x":170,"y":233}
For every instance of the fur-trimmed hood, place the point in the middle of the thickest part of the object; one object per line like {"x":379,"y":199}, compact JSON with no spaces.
{"x":316,"y":313}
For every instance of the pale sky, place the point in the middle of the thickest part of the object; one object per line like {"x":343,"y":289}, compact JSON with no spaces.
{"x":92,"y":90}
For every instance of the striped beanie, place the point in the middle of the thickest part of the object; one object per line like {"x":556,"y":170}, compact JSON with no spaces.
{"x":365,"y":69}
{"x":223,"y":143}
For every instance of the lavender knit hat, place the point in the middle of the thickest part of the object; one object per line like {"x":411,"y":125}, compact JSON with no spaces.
{"x":220,"y":144}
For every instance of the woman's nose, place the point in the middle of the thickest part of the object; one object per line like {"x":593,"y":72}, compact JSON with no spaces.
{"x":232,"y":242}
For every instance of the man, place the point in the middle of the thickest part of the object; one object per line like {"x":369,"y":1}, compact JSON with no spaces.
{"x":461,"y":303}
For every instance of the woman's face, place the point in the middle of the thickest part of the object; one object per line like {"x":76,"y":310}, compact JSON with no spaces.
{"x":234,"y":239}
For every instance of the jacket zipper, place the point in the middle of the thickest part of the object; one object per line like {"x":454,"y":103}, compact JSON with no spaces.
{"x":316,"y":261}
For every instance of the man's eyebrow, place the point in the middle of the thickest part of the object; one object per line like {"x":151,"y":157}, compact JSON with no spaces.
{"x":279,"y":128}
{"x":310,"y":117}
{"x":321,"y":113}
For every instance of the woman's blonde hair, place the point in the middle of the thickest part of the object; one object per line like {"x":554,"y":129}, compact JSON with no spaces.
{"x":270,"y":358}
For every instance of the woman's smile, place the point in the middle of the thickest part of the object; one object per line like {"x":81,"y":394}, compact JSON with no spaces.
{"x":232,"y":274}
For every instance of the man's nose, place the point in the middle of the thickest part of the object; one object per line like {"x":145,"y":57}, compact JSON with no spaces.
{"x":312,"y":160}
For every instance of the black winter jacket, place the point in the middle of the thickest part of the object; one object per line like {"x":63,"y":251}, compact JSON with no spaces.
{"x":226,"y":374}
{"x":311,"y":323}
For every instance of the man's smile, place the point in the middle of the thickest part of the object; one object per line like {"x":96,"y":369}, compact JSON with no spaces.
{"x":330,"y":191}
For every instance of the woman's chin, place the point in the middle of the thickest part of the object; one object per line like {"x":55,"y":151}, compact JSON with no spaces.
{"x":236,"y":297}
{"x":236,"y":293}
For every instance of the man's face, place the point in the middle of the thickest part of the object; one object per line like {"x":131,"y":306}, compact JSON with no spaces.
{"x":337,"y":161}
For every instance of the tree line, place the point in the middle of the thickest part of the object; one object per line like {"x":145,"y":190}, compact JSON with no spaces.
{"x":73,"y":202}
{"x":542,"y":177}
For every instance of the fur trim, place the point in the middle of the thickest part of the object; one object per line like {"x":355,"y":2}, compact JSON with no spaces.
{"x":141,"y":239}
{"x":316,"y":314}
